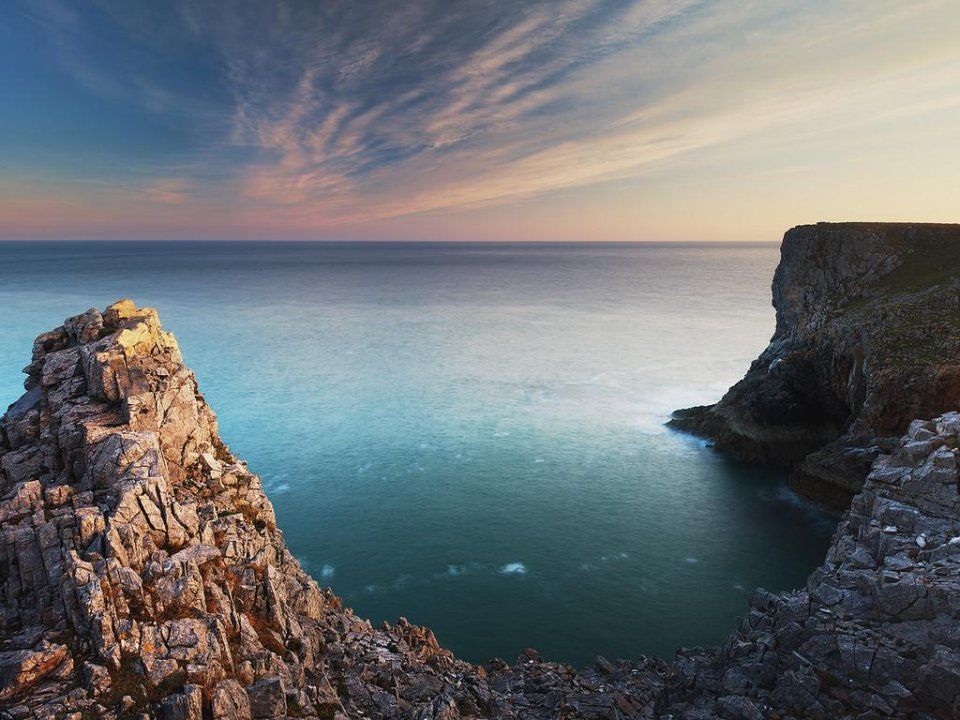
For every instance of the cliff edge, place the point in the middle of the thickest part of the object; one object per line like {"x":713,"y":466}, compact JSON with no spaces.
{"x":867,"y":338}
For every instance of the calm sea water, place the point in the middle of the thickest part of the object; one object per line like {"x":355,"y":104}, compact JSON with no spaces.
{"x":472,"y":435}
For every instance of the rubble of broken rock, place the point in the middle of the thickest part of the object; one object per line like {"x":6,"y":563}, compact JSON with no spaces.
{"x":142,"y":575}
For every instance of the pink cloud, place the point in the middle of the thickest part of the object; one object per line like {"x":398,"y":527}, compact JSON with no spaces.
{"x":169,"y":191}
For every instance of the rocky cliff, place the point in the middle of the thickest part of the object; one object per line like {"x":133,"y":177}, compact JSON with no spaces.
{"x":867,"y":339}
{"x":876,"y":631}
{"x":142,"y":575}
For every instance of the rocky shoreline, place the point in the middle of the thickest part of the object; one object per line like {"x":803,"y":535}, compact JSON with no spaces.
{"x":876,"y":631}
{"x":867,"y":339}
{"x":142,"y":575}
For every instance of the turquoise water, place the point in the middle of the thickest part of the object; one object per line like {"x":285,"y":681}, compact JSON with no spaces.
{"x":472,"y":435}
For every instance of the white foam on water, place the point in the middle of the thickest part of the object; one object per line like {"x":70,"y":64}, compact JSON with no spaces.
{"x":327,"y":571}
{"x":514,"y":568}
{"x":691,"y":560}
{"x":277,"y":482}
{"x":398,"y":584}
{"x":458,"y":570}
{"x":652,"y":414}
{"x":784,"y":495}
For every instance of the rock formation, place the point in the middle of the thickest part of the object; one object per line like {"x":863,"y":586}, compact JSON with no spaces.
{"x":142,"y":575}
{"x":876,"y":632}
{"x":867,"y":339}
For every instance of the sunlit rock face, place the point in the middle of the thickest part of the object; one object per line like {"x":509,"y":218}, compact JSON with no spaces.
{"x":141,"y":569}
{"x":867,"y":339}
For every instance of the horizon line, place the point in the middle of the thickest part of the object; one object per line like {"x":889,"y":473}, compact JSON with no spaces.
{"x":317,"y":241}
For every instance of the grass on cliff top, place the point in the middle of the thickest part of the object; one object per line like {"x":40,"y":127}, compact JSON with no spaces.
{"x":911,"y":330}
{"x":913,"y":316}
{"x":934,"y":262}
{"x":923,"y":341}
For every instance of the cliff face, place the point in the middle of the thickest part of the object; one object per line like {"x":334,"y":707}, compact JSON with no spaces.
{"x":142,"y":573}
{"x":867,"y":339}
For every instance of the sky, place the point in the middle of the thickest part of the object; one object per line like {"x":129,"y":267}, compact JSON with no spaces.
{"x":606,"y":120}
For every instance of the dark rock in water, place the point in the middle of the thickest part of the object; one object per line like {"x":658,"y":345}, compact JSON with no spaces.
{"x":142,"y":575}
{"x":867,"y":339}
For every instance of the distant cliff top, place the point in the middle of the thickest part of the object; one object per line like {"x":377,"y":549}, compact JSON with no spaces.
{"x":867,"y":338}
{"x":826,"y":266}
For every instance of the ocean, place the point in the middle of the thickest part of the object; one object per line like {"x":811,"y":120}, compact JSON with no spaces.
{"x":471,"y":435}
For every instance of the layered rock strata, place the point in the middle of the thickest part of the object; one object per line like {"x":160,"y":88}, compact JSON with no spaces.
{"x":867,"y":339}
{"x":142,"y":574}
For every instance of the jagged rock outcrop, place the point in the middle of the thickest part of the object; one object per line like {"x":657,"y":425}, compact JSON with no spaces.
{"x":142,"y":574}
{"x":876,"y":631}
{"x":867,"y":339}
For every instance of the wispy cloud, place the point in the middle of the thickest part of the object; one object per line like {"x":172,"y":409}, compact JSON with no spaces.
{"x":306,"y":119}
{"x":411,"y":96}
{"x":170,"y":191}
